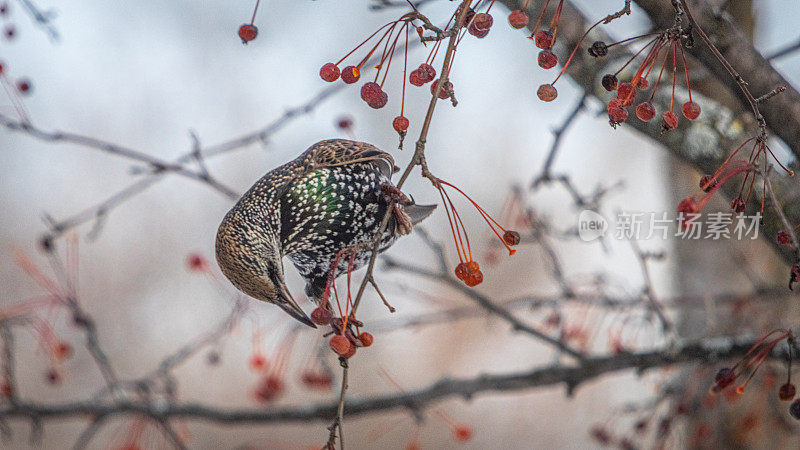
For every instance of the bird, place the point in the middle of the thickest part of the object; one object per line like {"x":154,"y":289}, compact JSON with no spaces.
{"x":332,"y":197}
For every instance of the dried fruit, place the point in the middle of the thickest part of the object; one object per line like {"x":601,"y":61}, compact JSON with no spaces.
{"x":518,"y":19}
{"x":321,"y":316}
{"x":609,"y":82}
{"x":670,"y":120}
{"x":365,"y":339}
{"x":598,"y":49}
{"x":547,"y":93}
{"x":340,"y":344}
{"x":543,"y":39}
{"x":329,"y":72}
{"x":691,"y":110}
{"x":626,"y":93}
{"x":645,"y":111}
{"x":547,"y":59}
{"x":400,"y":123}
{"x":444,"y":91}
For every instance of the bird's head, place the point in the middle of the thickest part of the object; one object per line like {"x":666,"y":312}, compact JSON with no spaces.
{"x":255,"y":267}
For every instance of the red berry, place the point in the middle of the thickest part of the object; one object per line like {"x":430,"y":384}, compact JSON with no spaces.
{"x":609,"y":82}
{"x":415,"y":78}
{"x":248,"y":32}
{"x":400,"y":123}
{"x":350,"y":352}
{"x":645,"y":111}
{"x":783,"y":238}
{"x":426,"y":72}
{"x":321,"y":316}
{"x":642,"y":83}
{"x":794,"y":409}
{"x":350,"y":74}
{"x":24,"y":86}
{"x":511,"y":237}
{"x":474,"y":279}
{"x":478,"y":33}
{"x":543,"y":39}
{"x":482,"y":21}
{"x":380,"y":102}
{"x":365,"y":339}
{"x":547,"y":59}
{"x":370,"y":92}
{"x":340,"y":344}
{"x":688,"y":206}
{"x":786,"y":392}
{"x":707,"y":183}
{"x":518,"y":19}
{"x":462,"y":433}
{"x":444,"y":91}
{"x":329,"y":72}
{"x":547,"y":93}
{"x":691,"y":110}
{"x":626,"y":93}
{"x":617,"y":114}
{"x":737,"y":205}
{"x":461,"y":271}
{"x":670,"y":120}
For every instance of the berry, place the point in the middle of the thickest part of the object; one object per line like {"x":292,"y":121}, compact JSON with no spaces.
{"x":609,"y":82}
{"x":258,"y":361}
{"x":786,"y":392}
{"x":691,"y":110}
{"x":461,"y":271}
{"x":329,"y":72}
{"x":415,"y":78}
{"x":511,"y":237}
{"x":783,"y":238}
{"x":472,"y":266}
{"x":462,"y":433}
{"x":365,"y":339}
{"x":474,"y":279}
{"x":642,"y":83}
{"x":24,"y":86}
{"x":707,"y":183}
{"x":543,"y":39}
{"x":321,"y":316}
{"x":269,"y":389}
{"x":794,"y":409}
{"x":616,"y":113}
{"x":340,"y":344}
{"x":518,"y":19}
{"x":371,"y":92}
{"x":444,"y":91}
{"x":400,"y":123}
{"x":350,"y":74}
{"x":426,"y":72}
{"x":478,"y":33}
{"x":737,"y":205}
{"x":645,"y":111}
{"x":482,"y":21}
{"x":248,"y":32}
{"x":670,"y":120}
{"x":547,"y":93}
{"x":380,"y":102}
{"x":598,"y":49}
{"x":547,"y":59}
{"x":689,"y":206}
{"x":626,"y":93}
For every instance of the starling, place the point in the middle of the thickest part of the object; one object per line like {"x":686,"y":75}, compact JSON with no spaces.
{"x":332,"y":197}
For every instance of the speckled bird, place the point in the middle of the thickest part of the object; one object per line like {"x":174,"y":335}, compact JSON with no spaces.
{"x":333,"y":196}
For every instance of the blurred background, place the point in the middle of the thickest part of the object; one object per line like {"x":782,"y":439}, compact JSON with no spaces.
{"x":146,"y":75}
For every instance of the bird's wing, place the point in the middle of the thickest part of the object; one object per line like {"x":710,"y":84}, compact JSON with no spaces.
{"x":339,"y":152}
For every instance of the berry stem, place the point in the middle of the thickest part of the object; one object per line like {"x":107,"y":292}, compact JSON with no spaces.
{"x":255,"y":10}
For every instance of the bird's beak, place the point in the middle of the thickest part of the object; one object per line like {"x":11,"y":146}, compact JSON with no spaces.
{"x":288,"y":304}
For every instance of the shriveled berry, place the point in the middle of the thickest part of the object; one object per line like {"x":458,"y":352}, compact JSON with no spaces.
{"x":737,"y":205}
{"x":340,"y":344}
{"x":400,"y":123}
{"x":786,"y":392}
{"x":617,"y":114}
{"x":380,"y":102}
{"x":321,"y":316}
{"x":518,"y":19}
{"x":543,"y":39}
{"x":370,"y":92}
{"x":626,"y":93}
{"x":365,"y":339}
{"x":670,"y":120}
{"x":609,"y":82}
{"x":707,"y":183}
{"x":426,"y":72}
{"x":794,"y":409}
{"x":329,"y":72}
{"x":598,"y":49}
{"x":444,"y":91}
{"x":511,"y":237}
{"x":547,"y":59}
{"x":645,"y":111}
{"x":415,"y":78}
{"x":783,"y":238}
{"x":483,"y":21}
{"x":547,"y":93}
{"x":350,"y":74}
{"x":477,"y":32}
{"x":24,"y":86}
{"x":247,"y":32}
{"x":691,"y":110}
